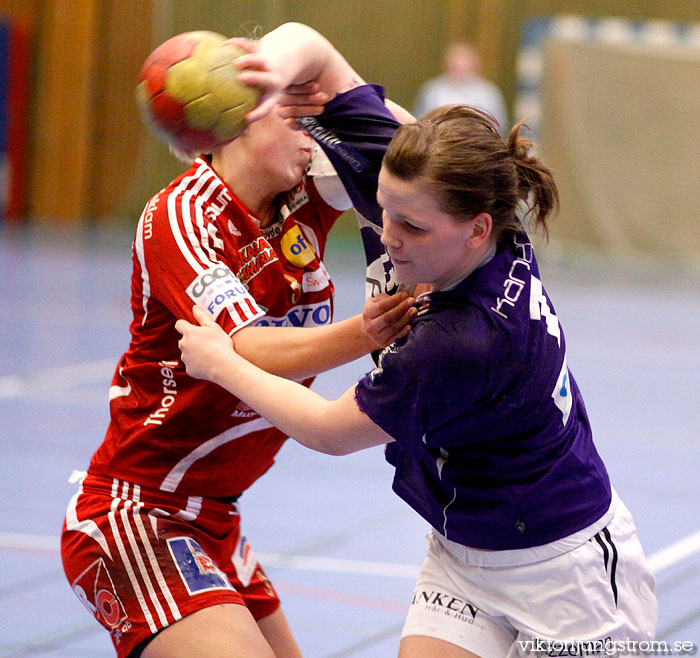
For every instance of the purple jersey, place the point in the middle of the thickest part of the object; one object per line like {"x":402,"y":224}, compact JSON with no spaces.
{"x":493,"y":445}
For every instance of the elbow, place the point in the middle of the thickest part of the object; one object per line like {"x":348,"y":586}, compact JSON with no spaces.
{"x":339,"y":450}
{"x":295,"y":32}
{"x":332,"y":446}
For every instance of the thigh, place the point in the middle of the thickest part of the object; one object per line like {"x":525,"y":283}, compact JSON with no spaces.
{"x":446,"y":616}
{"x":225,"y":631}
{"x":276,"y":631}
{"x":420,"y":646}
{"x":239,"y":562}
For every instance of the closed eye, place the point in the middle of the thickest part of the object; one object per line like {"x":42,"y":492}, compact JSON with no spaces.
{"x":413,"y":228}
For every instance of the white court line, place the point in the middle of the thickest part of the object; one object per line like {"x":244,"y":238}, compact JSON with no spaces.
{"x":675,"y":552}
{"x":339,"y":565}
{"x":51,"y":379}
{"x":658,"y":561}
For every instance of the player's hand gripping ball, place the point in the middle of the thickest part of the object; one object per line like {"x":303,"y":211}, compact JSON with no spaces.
{"x":189,"y":94}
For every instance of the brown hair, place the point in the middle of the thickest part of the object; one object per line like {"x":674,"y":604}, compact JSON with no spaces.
{"x":460,"y":156}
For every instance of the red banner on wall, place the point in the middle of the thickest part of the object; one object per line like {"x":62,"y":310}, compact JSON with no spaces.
{"x":14,"y":115}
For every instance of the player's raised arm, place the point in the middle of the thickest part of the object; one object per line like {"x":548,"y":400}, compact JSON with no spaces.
{"x":295,"y":55}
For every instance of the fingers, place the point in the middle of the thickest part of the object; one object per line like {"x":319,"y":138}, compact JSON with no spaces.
{"x":297,"y":111}
{"x":296,"y":100}
{"x":261,"y":111}
{"x":251,"y":61}
{"x":317,"y":99}
{"x":399,"y":327}
{"x":202,"y":316}
{"x":182,"y":326}
{"x":245,"y":44}
{"x":391,"y":306}
{"x":302,"y":100}
{"x":386,"y":318}
{"x":303,"y":88}
{"x":254,"y":72}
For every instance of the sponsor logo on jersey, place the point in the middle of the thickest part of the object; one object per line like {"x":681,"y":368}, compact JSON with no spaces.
{"x":296,"y":198}
{"x":169,"y":393}
{"x":148,"y":218}
{"x":95,"y":590}
{"x":517,"y":278}
{"x":233,"y":230}
{"x":445,"y":604}
{"x":255,"y":256}
{"x":273,"y":230}
{"x":296,"y":247}
{"x":217,"y":288}
{"x":116,"y":391}
{"x":562,"y":393}
{"x":243,"y":414}
{"x":198,"y":571}
{"x":242,"y":410}
{"x":213,"y":232}
{"x":214,"y":208}
{"x":316,"y":280}
{"x":308,"y":315}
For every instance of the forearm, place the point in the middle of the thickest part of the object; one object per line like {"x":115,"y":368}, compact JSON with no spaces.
{"x":299,"y":352}
{"x":299,"y":54}
{"x":334,"y":427}
{"x":401,"y":114}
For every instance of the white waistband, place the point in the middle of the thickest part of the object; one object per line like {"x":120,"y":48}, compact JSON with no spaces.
{"x":477,"y":557}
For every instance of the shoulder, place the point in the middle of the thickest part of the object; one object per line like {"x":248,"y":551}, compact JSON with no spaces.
{"x":196,"y":197}
{"x":448,"y":339}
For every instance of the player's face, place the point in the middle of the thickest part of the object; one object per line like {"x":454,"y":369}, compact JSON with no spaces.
{"x":283,"y":151}
{"x":426,"y":244}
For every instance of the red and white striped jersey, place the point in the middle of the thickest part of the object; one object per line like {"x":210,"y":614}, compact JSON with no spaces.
{"x":196,"y":242}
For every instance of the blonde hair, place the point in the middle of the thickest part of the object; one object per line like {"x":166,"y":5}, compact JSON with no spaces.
{"x":187,"y":156}
{"x":458,"y":154}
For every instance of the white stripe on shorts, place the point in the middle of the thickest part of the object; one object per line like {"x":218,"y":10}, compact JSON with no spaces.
{"x":136,"y":551}
{"x":154,"y":563}
{"x":127,"y":564}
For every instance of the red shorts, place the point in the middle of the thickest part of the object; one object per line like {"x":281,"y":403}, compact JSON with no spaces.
{"x":140,"y":559}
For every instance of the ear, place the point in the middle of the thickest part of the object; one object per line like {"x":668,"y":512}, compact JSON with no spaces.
{"x":481,"y":229}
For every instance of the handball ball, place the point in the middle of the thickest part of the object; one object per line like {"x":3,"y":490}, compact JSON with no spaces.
{"x":189,"y":94}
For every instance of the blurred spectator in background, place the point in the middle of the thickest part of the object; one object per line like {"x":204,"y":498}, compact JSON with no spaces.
{"x":462,"y":83}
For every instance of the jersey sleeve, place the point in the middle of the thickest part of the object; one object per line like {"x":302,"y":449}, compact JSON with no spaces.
{"x":184,"y":263}
{"x":354,"y":132}
{"x":327,"y":182}
{"x":423,"y":381}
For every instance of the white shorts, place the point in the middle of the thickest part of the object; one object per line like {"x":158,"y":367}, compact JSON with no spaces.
{"x":597,"y":599}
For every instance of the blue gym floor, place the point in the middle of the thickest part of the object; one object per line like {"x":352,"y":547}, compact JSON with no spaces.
{"x":340,"y":547}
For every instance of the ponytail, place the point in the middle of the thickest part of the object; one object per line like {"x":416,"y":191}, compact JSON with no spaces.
{"x":536,"y":185}
{"x":458,"y":154}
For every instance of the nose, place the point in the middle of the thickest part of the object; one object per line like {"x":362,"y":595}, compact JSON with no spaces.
{"x":389,"y":238}
{"x":306,"y":140}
